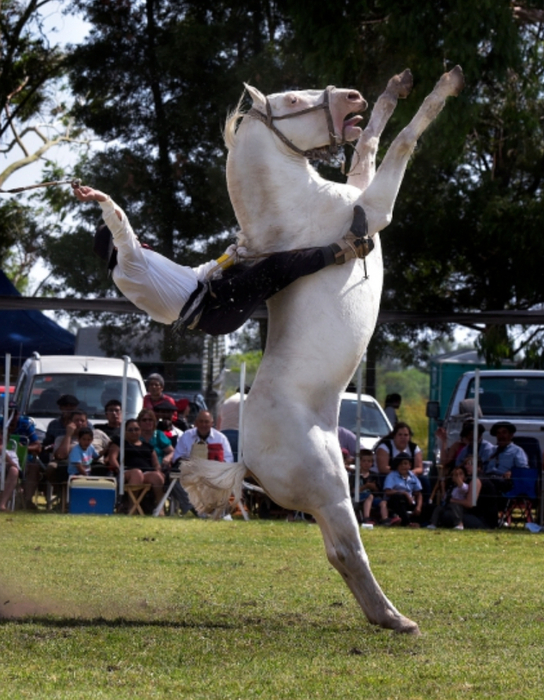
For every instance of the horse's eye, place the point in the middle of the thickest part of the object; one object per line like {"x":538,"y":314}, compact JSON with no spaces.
{"x":293,"y":99}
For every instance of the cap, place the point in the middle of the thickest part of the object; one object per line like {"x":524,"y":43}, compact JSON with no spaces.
{"x":164,"y":406}
{"x":400,"y":458}
{"x":182,"y":404}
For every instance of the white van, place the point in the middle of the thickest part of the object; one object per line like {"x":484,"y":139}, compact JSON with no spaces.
{"x":92,"y":380}
{"x":513,"y":395}
{"x":374,"y":422}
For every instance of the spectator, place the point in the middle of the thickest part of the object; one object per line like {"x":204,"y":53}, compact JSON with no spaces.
{"x":13,"y":472}
{"x":505,"y":456}
{"x":403,"y":499}
{"x":368,"y":486}
{"x":347,"y":440}
{"x":114,"y":416}
{"x":67,"y":404}
{"x":164,"y":412}
{"x":155,"y":387}
{"x":24,"y":428}
{"x":392,"y":403}
{"x":160,"y":442}
{"x":82,"y":454}
{"x":485,"y":514}
{"x":184,"y":408}
{"x":485,"y":448}
{"x":57,"y":471}
{"x":141,"y":462}
{"x":451,"y":509}
{"x":203,"y":433}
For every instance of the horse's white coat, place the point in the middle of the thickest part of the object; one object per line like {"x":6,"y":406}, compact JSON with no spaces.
{"x":319,"y":327}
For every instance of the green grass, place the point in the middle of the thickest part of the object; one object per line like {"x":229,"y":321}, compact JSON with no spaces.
{"x":152,"y":608}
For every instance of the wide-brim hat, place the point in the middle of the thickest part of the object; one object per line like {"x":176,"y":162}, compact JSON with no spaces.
{"x":502,"y":424}
{"x":164,"y":406}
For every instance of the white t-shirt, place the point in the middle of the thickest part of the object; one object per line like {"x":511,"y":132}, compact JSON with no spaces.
{"x":153,"y":283}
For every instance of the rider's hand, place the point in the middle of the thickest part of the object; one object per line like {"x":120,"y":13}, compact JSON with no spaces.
{"x":88,"y":194}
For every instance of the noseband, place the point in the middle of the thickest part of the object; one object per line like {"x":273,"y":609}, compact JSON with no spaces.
{"x":322,"y":153}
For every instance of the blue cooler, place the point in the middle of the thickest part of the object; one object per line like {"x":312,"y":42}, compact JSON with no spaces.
{"x":91,"y":495}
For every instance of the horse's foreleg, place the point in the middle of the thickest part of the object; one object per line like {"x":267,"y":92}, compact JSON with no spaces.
{"x":363,"y":165}
{"x":379,"y":198}
{"x":346,"y":553}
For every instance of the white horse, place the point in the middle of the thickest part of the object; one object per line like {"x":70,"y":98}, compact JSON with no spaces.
{"x":320,"y":326}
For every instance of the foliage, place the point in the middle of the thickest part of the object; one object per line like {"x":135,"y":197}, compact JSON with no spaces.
{"x":115,"y":608}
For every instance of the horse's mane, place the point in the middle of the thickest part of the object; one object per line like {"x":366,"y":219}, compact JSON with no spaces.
{"x":229,"y":132}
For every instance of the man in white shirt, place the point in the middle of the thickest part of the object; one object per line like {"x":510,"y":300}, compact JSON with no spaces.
{"x":209,"y":297}
{"x":202,"y":434}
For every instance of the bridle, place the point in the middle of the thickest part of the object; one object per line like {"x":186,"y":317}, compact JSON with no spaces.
{"x":321,"y":153}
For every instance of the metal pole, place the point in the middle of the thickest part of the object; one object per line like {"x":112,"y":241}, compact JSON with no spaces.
{"x":358,"y":433}
{"x":7,"y":373}
{"x":475,"y":435}
{"x":126,"y":359}
{"x":241,"y":412}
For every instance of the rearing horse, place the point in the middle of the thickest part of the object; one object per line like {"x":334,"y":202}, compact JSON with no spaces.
{"x":320,"y":326}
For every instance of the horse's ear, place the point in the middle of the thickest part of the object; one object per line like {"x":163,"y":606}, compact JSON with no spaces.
{"x":257,"y":96}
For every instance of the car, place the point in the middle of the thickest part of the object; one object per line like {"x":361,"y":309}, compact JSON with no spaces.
{"x":374,"y":422}
{"x":92,"y":380}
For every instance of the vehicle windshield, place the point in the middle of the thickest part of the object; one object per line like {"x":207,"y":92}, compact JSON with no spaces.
{"x":93,"y":392}
{"x":373,"y":424}
{"x":510,"y":396}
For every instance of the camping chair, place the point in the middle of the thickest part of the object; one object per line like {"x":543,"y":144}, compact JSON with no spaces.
{"x":20,"y":447}
{"x":521,"y":499}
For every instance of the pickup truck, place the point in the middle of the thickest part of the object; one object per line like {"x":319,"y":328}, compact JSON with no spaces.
{"x":513,"y":395}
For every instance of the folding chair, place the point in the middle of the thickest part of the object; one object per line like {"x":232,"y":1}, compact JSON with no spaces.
{"x":20,"y":447}
{"x":521,"y":499}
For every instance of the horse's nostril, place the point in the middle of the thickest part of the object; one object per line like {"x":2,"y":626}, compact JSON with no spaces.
{"x":353,"y":95}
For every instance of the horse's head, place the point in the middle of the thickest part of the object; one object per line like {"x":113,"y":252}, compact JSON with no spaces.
{"x":310,"y":120}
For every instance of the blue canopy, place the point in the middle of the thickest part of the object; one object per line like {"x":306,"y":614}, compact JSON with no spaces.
{"x":24,"y":331}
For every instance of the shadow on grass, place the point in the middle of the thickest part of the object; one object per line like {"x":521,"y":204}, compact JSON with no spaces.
{"x":117,"y":622}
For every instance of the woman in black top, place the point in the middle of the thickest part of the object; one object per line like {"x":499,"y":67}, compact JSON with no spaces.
{"x":141,"y":463}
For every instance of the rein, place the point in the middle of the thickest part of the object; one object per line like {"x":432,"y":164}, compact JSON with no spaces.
{"x":324,"y":152}
{"x":16,"y":190}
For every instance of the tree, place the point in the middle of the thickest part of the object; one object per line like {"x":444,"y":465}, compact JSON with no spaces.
{"x":154,"y":81}
{"x":466,"y":233}
{"x":34,"y":119}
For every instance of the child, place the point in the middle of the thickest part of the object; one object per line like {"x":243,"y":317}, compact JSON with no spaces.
{"x":82,"y":454}
{"x":457,"y":492}
{"x":403,"y":494}
{"x":369,"y":483}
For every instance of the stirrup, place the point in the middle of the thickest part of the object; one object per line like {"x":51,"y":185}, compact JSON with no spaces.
{"x":356,"y":243}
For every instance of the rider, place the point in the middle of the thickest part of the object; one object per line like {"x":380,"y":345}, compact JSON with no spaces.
{"x":210,"y":297}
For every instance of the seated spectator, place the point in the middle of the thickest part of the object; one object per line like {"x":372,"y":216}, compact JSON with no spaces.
{"x":155,"y":387}
{"x":141,"y":462}
{"x":114,"y":416}
{"x":451,"y":510}
{"x":485,"y":448}
{"x":162,"y":445}
{"x":368,"y":487}
{"x":82,"y":454}
{"x":57,"y":427}
{"x":403,"y":499}
{"x":56,"y":471}
{"x":203,"y":434}
{"x":505,"y":456}
{"x":347,"y":440}
{"x":13,"y":472}
{"x":392,"y":403}
{"x":164,"y":412}
{"x":400,"y":440}
{"x":24,"y":428}
{"x":184,"y":408}
{"x":485,"y":514}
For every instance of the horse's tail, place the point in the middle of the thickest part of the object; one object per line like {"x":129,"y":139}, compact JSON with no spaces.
{"x":210,"y":484}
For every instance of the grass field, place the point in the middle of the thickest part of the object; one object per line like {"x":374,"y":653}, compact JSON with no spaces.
{"x":98,"y":607}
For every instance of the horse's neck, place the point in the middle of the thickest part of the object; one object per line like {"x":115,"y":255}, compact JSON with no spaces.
{"x":280,"y":201}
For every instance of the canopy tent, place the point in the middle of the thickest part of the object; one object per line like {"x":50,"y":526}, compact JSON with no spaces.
{"x":25,"y":331}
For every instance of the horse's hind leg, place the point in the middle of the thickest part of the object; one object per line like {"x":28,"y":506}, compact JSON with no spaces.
{"x":346,"y":553}
{"x":379,"y":198}
{"x":363,"y":166}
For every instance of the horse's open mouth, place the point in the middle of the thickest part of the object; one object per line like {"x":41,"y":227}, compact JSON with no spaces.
{"x":351,"y":129}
